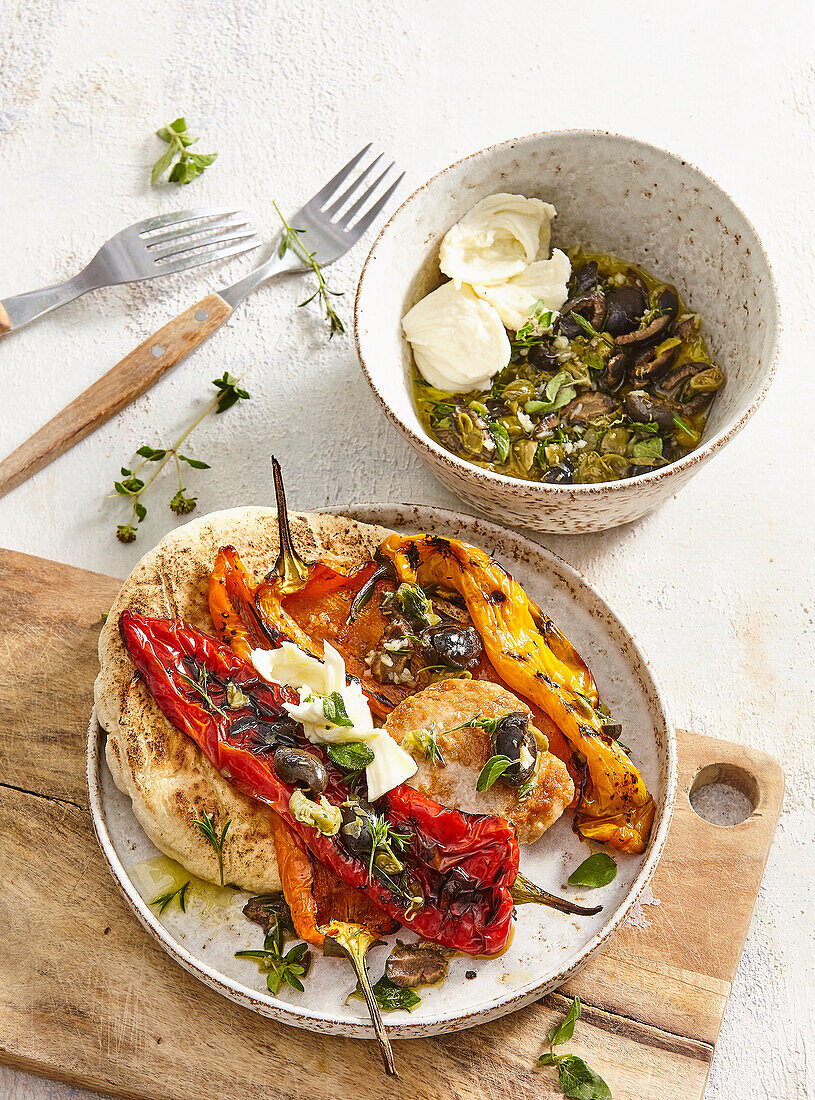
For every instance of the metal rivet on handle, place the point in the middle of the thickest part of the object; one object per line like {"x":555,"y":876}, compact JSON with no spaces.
{"x":157,"y":351}
{"x":201,"y":315}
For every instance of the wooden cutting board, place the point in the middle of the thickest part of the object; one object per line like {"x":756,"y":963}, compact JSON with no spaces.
{"x":87,"y":997}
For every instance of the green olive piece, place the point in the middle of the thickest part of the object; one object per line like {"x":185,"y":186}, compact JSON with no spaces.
{"x":707,"y":381}
{"x":615,"y":441}
{"x":524,"y":451}
{"x":520,"y":391}
{"x":471,"y":437}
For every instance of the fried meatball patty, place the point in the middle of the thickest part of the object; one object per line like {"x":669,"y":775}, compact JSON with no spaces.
{"x":448,"y":704}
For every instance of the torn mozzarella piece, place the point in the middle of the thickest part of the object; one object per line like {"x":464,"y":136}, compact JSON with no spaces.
{"x":496,"y":240}
{"x":313,"y":679}
{"x":459,"y":341}
{"x":544,"y":280}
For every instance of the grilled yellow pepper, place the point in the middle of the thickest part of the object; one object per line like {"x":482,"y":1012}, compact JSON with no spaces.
{"x":538,"y":662}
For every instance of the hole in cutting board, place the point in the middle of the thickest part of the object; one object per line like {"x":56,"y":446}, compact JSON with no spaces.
{"x":724,"y":794}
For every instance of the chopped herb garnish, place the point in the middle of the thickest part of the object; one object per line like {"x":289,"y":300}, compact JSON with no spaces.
{"x":596,"y":871}
{"x":352,"y":756}
{"x":206,"y":824}
{"x":334,"y":710}
{"x":280,"y":969}
{"x":389,"y":996}
{"x":180,"y":893}
{"x":492,"y":771}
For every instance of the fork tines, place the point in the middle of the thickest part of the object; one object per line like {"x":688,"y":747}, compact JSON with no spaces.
{"x":356,"y":218}
{"x":173,"y":241}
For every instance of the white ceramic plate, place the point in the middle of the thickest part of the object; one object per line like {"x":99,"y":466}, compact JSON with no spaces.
{"x":546,"y":947}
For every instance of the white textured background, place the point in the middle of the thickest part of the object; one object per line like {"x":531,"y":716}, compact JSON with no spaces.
{"x":718,"y":584}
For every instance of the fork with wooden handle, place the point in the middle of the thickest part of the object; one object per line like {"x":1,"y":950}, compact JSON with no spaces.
{"x":327,"y":226}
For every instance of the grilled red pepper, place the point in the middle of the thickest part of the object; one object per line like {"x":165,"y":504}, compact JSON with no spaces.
{"x":461,"y":866}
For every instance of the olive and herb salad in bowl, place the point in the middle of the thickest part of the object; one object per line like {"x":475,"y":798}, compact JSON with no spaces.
{"x":567,"y":326}
{"x":615,"y":384}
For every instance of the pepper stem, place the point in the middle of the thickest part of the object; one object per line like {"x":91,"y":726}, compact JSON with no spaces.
{"x":353,"y":941}
{"x":525,"y":892}
{"x":289,"y":567}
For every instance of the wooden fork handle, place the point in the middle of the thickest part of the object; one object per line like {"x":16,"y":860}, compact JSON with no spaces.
{"x":122,"y":384}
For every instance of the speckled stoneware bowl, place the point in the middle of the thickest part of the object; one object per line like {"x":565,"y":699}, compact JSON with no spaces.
{"x":613,"y":194}
{"x":546,"y":946}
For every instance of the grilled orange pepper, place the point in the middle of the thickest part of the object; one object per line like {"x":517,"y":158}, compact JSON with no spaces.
{"x":534,"y":659}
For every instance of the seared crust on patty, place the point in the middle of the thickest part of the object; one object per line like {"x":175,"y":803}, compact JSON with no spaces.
{"x":166,"y":775}
{"x":450,"y":703}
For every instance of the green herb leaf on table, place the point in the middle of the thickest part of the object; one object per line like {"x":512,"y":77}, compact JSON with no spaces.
{"x":229,"y":392}
{"x":391,"y":997}
{"x":576,"y":1079}
{"x":189,"y":165}
{"x":596,"y":871}
{"x":290,"y":242}
{"x":579,"y":1081}
{"x":352,"y":756}
{"x":180,"y":893}
{"x":492,"y":771}
{"x":334,"y":710}
{"x":562,"y":1032}
{"x":210,"y":832}
{"x":133,"y":486}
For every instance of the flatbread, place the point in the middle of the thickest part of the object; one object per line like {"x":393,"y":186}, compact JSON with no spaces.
{"x":165,"y":774}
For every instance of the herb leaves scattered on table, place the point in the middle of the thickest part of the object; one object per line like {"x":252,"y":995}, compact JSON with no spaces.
{"x":577,"y":1080}
{"x":134,"y":483}
{"x":188,"y":165}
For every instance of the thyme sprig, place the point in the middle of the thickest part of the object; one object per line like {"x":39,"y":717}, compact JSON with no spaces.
{"x":280,"y":969}
{"x":290,"y":241}
{"x":210,"y":832}
{"x":163,"y":900}
{"x":133,"y":486}
{"x":201,"y":688}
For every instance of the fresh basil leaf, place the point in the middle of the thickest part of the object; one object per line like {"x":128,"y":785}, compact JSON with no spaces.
{"x":554,"y":384}
{"x":416,"y":606}
{"x":647,"y":450}
{"x":492,"y":770}
{"x":579,"y":1082}
{"x":598,"y":870}
{"x":537,"y":407}
{"x":334,"y":710}
{"x":352,"y":756}
{"x":562,"y":1032}
{"x":501,"y":439}
{"x":390,"y":997}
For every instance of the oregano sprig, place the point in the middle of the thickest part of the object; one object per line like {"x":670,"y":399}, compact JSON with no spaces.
{"x":189,"y":165}
{"x":134,"y":484}
{"x":290,"y":241}
{"x":576,"y":1079}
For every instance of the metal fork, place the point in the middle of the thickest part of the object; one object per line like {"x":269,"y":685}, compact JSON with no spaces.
{"x":332,"y":221}
{"x":155,"y":246}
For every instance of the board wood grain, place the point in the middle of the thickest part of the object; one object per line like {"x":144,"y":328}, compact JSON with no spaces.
{"x":87,"y":997}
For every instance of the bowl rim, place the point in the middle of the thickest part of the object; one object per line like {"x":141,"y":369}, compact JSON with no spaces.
{"x":694,"y":458}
